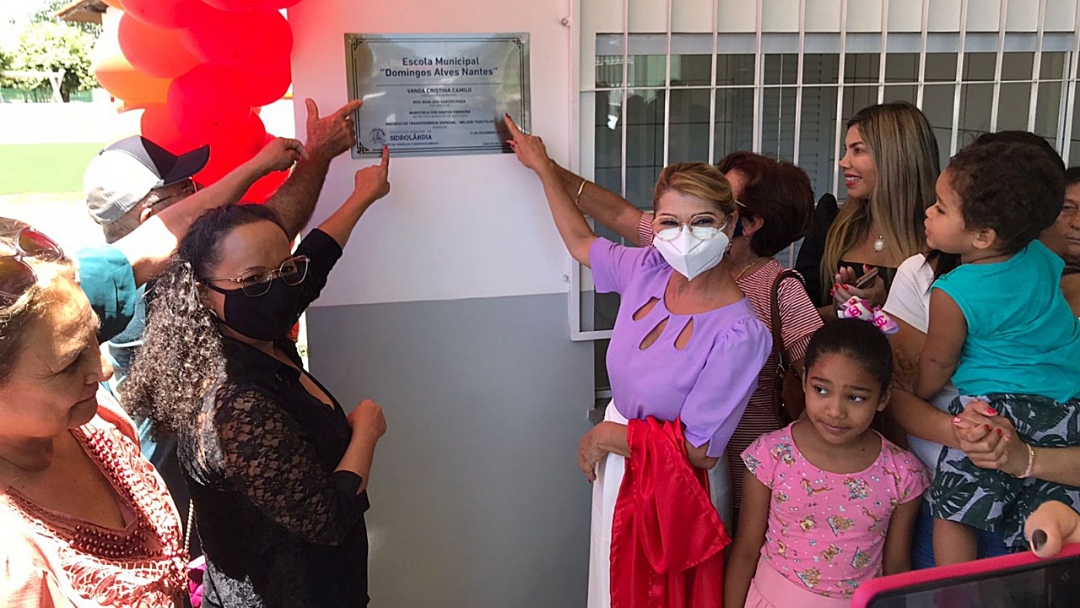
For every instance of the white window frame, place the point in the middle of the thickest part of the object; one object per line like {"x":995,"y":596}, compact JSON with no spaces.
{"x":584,"y":44}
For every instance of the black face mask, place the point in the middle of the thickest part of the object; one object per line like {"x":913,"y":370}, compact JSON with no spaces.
{"x":267,"y":317}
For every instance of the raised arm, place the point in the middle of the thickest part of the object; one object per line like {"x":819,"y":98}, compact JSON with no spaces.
{"x":370,"y":184}
{"x":574,"y":230}
{"x":150,"y":246}
{"x":945,"y":335}
{"x":327,"y":138}
{"x":608,"y":208}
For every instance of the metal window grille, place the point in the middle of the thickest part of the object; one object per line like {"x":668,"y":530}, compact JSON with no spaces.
{"x":662,"y":81}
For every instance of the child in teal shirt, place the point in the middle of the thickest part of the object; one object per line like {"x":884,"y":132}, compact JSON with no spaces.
{"x":1002,"y":330}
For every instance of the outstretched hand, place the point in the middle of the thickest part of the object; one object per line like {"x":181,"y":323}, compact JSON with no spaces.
{"x":279,"y":154}
{"x":333,"y":134}
{"x":372,"y":183}
{"x":529,"y":149}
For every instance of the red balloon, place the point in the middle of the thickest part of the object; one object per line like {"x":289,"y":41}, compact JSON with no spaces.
{"x":232,"y":149}
{"x":268,"y":74}
{"x":158,"y":126}
{"x":229,"y":38}
{"x":166,"y":13}
{"x":238,"y":5}
{"x":153,"y":50}
{"x":263,"y":189}
{"x":208,"y":101}
{"x":284,"y":3}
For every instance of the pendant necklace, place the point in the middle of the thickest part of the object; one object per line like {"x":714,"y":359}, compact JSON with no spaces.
{"x":879,"y":243}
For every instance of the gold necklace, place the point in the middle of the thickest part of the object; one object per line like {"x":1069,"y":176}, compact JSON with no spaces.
{"x":747,"y":267}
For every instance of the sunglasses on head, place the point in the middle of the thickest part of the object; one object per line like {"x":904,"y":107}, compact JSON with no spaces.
{"x":18,"y":241}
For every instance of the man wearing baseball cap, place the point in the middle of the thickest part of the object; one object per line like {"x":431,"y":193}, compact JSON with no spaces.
{"x":134,"y":177}
{"x":129,"y":183}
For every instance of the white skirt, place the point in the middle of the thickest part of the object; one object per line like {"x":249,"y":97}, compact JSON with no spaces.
{"x":609,"y":476}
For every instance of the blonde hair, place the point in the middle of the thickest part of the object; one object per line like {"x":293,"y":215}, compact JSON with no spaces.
{"x":696,"y":179}
{"x":905,"y":152}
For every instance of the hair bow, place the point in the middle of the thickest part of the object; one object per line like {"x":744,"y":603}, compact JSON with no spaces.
{"x":857,"y":308}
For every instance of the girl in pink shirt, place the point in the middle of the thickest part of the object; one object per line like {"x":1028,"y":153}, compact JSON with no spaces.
{"x":827,"y":503}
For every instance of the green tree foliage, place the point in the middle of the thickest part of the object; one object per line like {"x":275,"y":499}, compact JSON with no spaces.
{"x":49,"y":46}
{"x":48,"y":13}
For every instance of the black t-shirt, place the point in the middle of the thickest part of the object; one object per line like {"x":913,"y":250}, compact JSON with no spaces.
{"x":279,"y":527}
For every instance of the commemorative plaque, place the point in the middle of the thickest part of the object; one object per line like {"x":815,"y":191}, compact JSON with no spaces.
{"x":428,"y":95}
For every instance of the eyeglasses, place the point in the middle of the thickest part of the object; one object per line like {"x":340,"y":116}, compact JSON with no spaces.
{"x":703,"y":228}
{"x":255,"y":282}
{"x":173,"y":193}
{"x":23,"y":241}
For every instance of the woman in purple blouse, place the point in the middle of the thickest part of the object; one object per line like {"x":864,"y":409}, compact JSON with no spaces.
{"x":686,"y":344}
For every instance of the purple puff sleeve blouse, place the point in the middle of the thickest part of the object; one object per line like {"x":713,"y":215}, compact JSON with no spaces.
{"x":708,"y":383}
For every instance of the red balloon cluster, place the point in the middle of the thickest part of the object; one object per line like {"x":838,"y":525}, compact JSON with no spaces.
{"x":198,"y":68}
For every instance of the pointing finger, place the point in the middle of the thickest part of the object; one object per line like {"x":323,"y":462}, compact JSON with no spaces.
{"x":512,"y":126}
{"x":346,"y":110}
{"x":385,"y":164}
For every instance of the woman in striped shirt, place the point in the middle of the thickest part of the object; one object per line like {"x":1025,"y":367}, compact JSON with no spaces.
{"x":776,"y":202}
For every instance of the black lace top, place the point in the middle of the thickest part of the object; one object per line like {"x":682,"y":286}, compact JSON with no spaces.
{"x":279,"y":527}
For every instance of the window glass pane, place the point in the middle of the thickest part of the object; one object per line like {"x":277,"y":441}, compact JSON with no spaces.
{"x":1052,"y":66}
{"x":1017,"y":66}
{"x":644,"y":143}
{"x":817,"y":137}
{"x":600,"y":365}
{"x":734,"y":69}
{"x":979,"y":66}
{"x":940,"y":67}
{"x":691,"y":70}
{"x":857,"y":98}
{"x":734,"y":121}
{"x":861,"y":67}
{"x":644,"y":71}
{"x":821,"y":68}
{"x":781,"y":69}
{"x":902,"y":67}
{"x":908,"y":93}
{"x":778,"y":122}
{"x":975,"y":105}
{"x":938,"y":108}
{"x":608,"y":71}
{"x":607,"y":153}
{"x":688,"y":136}
{"x":1013,"y":105}
{"x":647,"y":70}
{"x":1048,"y":111}
{"x":1074,"y":146}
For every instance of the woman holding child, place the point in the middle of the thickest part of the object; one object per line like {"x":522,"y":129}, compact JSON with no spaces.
{"x":987,"y":440}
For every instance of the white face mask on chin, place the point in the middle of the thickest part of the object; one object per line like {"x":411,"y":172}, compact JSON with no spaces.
{"x":689,"y":255}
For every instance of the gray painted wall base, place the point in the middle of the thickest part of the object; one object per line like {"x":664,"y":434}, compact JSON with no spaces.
{"x":476,"y":498}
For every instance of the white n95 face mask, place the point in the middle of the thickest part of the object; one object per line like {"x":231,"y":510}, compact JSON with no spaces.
{"x":689,"y":255}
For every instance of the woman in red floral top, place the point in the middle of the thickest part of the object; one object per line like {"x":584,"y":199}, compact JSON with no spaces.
{"x":85,"y":521}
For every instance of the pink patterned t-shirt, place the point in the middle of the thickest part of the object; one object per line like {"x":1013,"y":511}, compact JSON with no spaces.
{"x":826,"y":531}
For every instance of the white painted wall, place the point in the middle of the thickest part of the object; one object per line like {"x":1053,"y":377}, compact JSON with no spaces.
{"x":452,"y":227}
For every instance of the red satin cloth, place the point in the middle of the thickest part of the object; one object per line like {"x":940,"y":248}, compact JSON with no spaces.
{"x":667,"y":540}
